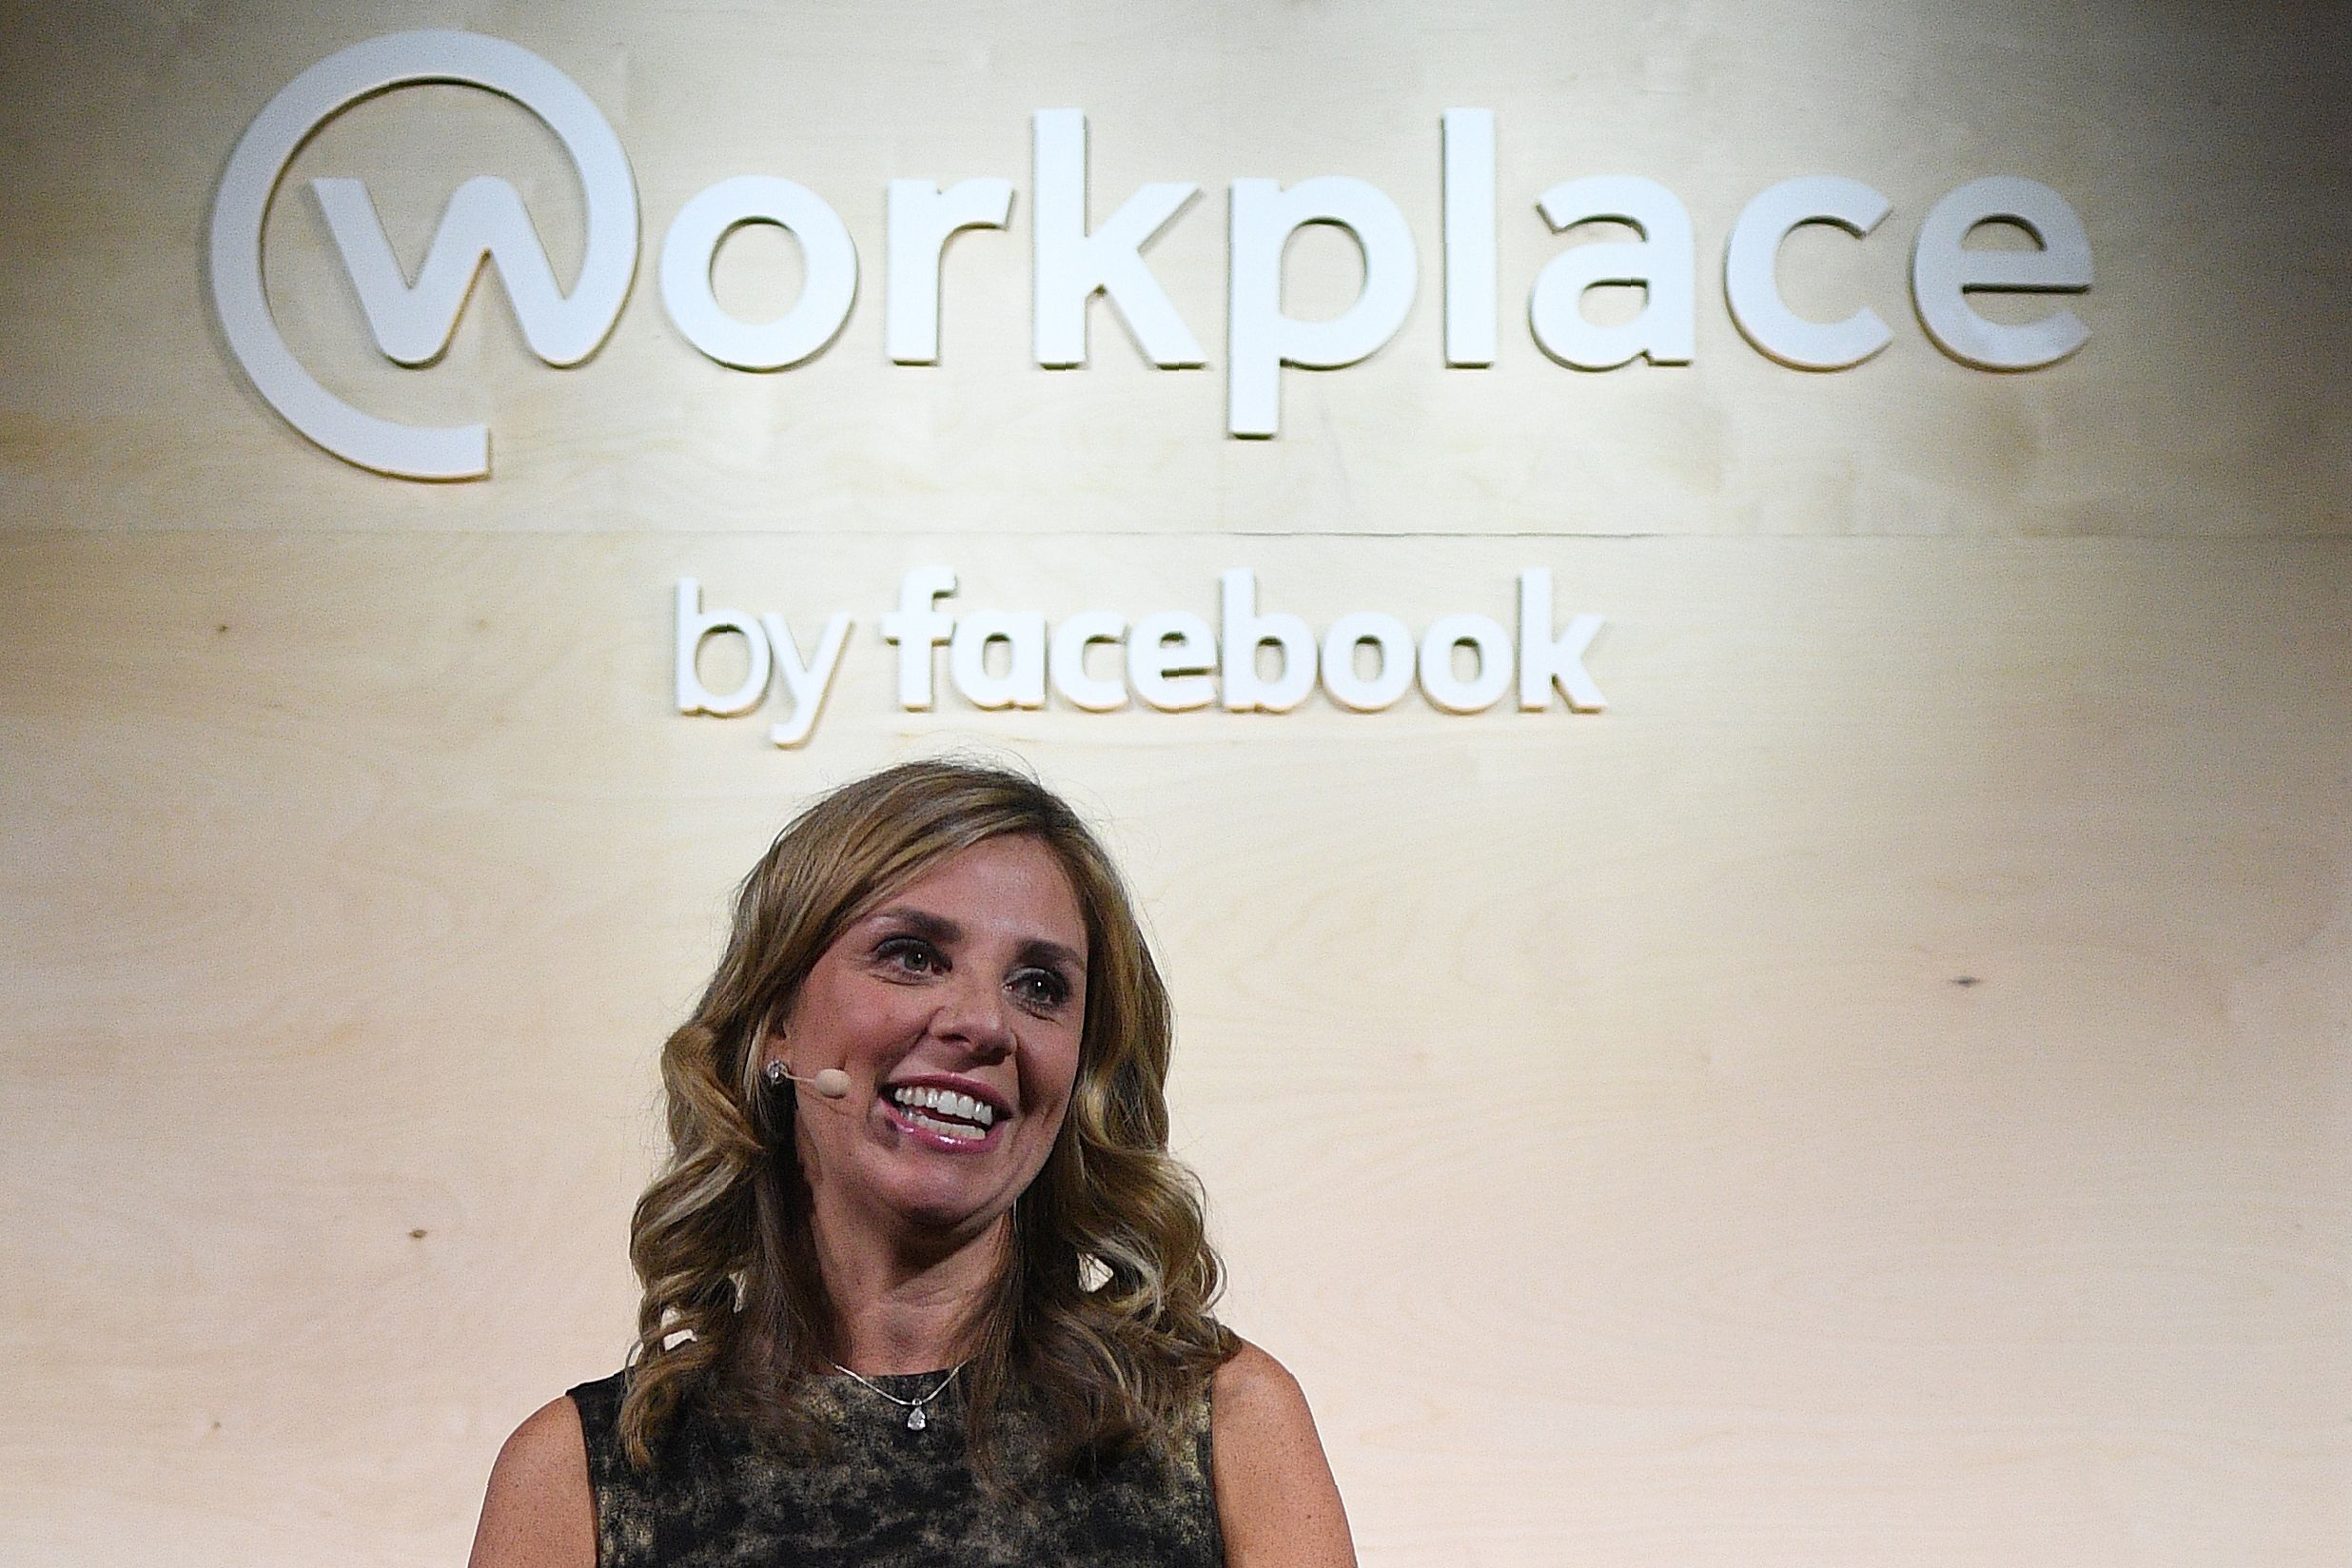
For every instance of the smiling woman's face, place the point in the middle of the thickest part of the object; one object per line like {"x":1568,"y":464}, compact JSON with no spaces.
{"x":956,"y":1006}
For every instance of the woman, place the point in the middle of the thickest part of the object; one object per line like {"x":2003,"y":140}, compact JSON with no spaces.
{"x":922,"y":1281}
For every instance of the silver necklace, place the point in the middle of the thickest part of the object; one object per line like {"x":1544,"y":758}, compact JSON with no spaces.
{"x":916,"y":1419}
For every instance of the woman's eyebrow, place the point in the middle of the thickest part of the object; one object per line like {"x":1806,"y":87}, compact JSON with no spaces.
{"x":935,"y":927}
{"x":1037,"y":950}
{"x":939,"y":929}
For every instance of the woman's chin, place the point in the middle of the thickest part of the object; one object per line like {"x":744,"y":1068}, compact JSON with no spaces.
{"x":930,"y":1200}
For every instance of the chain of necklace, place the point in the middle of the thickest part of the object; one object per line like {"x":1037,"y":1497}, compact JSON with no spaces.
{"x":916,"y":1419}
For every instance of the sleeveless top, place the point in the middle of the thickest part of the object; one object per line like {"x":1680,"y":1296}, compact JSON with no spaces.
{"x":716,"y":1499}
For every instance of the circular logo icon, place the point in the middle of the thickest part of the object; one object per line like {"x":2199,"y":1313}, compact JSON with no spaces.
{"x":240,"y":204}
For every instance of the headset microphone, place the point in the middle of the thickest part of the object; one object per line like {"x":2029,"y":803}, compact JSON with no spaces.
{"x":831,"y":1083}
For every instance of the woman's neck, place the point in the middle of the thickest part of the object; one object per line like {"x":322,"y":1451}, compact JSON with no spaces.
{"x":907,"y":1304}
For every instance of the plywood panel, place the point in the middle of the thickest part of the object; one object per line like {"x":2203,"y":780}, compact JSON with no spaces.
{"x":1878,"y":1093}
{"x":1875,"y":1092}
{"x":2201,"y":146}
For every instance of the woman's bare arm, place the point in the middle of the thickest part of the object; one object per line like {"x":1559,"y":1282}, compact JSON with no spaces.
{"x":1276,"y":1501}
{"x":539,"y":1512}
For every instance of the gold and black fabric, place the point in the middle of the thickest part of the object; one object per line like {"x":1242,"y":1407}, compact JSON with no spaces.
{"x":886,"y":1494}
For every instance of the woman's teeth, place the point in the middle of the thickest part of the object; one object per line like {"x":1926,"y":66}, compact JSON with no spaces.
{"x":973,"y":1115}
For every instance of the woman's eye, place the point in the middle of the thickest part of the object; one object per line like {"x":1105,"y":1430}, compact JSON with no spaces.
{"x":910,"y":954}
{"x":1041,"y":988}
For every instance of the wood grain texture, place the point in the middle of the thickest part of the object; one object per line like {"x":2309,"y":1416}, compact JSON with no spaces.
{"x":1882,"y":1092}
{"x":2201,"y":146}
{"x":1876,"y":1091}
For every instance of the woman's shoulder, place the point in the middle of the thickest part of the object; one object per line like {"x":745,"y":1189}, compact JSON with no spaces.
{"x":597,"y":1405}
{"x":1276,"y":1499}
{"x":1257,"y":1404}
{"x":1252,"y":1377}
{"x":540,"y":1510}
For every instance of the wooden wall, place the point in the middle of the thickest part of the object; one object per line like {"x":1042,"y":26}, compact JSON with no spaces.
{"x":1877,"y":1094}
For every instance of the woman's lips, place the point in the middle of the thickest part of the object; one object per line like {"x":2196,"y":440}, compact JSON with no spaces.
{"x":903,"y":1118}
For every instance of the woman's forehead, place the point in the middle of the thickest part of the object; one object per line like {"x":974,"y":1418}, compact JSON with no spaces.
{"x":1016,"y":883}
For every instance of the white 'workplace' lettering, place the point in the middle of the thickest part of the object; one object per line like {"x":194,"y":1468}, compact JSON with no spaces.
{"x":1073,"y":259}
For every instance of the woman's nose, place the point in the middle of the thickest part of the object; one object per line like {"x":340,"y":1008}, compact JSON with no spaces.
{"x":974,"y":1014}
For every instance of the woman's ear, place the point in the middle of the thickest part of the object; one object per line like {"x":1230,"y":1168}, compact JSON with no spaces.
{"x":766,"y":1050}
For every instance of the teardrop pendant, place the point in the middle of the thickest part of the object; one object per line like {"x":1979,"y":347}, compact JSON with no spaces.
{"x":916,"y":1421}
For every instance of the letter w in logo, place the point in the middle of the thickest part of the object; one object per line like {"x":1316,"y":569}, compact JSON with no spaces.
{"x":413,"y":323}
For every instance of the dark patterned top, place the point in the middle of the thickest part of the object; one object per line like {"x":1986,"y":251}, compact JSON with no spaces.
{"x":886,"y":1495}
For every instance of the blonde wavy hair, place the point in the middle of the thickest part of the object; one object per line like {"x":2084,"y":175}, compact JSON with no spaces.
{"x":1101,"y":1314}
